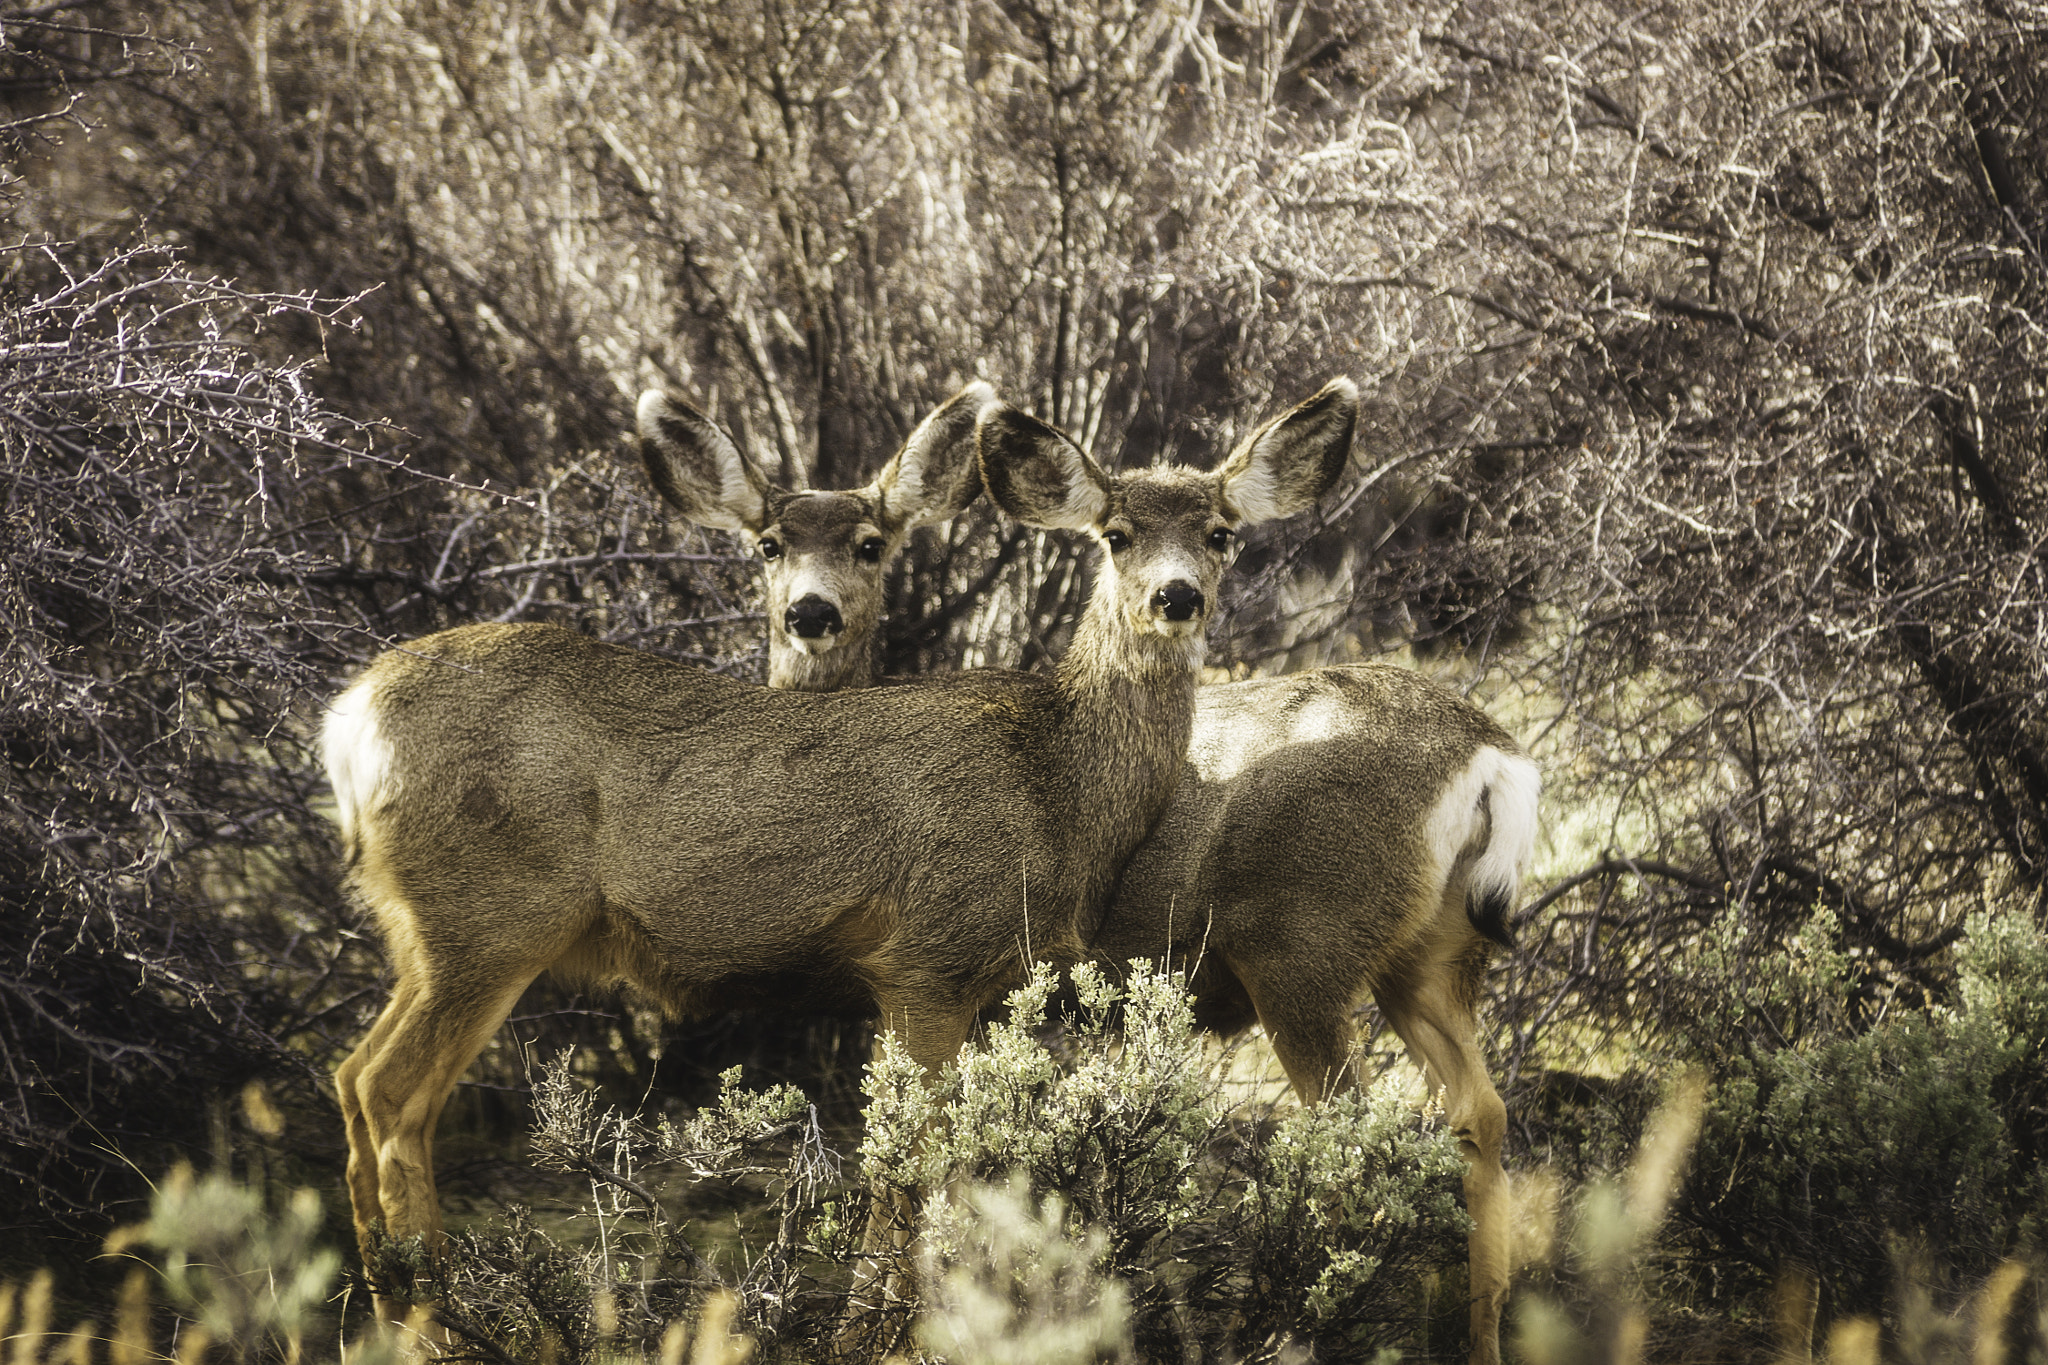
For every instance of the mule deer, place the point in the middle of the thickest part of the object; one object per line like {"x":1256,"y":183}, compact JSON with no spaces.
{"x":518,"y":798}
{"x":1337,"y":832}
{"x":823,"y":553}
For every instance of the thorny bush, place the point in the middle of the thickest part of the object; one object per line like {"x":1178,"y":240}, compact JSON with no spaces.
{"x":168,"y":918}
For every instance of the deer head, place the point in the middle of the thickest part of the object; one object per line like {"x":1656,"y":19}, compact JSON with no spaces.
{"x":1168,"y":531}
{"x":823,"y":554}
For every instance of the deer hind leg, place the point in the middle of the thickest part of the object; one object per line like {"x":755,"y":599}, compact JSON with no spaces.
{"x":1432,"y":1010}
{"x":362,"y":1151}
{"x":1310,"y":1029}
{"x":394,"y":1087}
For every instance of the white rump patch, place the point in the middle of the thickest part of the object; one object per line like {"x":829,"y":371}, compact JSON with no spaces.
{"x":1324,"y":717}
{"x":1222,"y":748}
{"x":1510,"y":783}
{"x":358,"y":757}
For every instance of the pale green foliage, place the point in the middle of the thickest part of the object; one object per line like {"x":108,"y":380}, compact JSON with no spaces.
{"x":739,"y":1120}
{"x":1020,"y":1288}
{"x":2002,"y":964}
{"x":247,"y":1283}
{"x":1355,"y":1171}
{"x":1615,"y":1235}
{"x":574,"y":1131}
{"x":244,"y":1274}
{"x":899,"y":1109}
{"x":1095,"y":1197}
{"x":1224,"y":1244}
{"x":1781,"y":988}
{"x":1837,"y":1132}
{"x":1544,"y":1333}
{"x":239,"y":1270}
{"x":570,"y":1119}
{"x":1118,"y":1131}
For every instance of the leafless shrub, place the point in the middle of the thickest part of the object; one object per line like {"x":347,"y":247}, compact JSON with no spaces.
{"x":1788,"y":314}
{"x":157,"y":846}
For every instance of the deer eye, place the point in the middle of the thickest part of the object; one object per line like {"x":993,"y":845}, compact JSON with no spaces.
{"x":1219,"y":539}
{"x":771,"y":548}
{"x":871,"y":549}
{"x":1117,"y":541}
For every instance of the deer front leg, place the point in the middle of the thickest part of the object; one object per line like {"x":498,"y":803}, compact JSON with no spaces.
{"x":879,"y":1303}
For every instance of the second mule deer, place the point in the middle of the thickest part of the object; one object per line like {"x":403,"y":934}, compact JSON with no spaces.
{"x":1334,"y":833}
{"x":518,"y":798}
{"x":823,"y":553}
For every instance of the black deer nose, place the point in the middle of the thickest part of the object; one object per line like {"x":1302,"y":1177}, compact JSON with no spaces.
{"x":812,"y":617}
{"x":1178,"y":601}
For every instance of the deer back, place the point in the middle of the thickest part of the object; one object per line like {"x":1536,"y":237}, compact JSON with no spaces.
{"x":545,"y":779}
{"x":1324,"y":810}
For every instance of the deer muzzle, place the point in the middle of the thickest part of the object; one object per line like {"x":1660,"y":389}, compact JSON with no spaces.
{"x":1178,"y":601}
{"x":811,"y":617}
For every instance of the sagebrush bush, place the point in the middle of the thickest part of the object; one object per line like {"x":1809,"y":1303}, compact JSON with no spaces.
{"x":1018,"y":1288}
{"x":1117,"y":1128}
{"x":1842,"y":1134}
{"x":1232,"y":1239}
{"x":247,"y":1276}
{"x":1104,"y":1185}
{"x":1614,"y":1288}
{"x":245,"y":1281}
{"x":2002,"y":968}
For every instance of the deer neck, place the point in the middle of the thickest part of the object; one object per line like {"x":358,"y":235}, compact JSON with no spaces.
{"x":1129,"y":703}
{"x":838,"y":670}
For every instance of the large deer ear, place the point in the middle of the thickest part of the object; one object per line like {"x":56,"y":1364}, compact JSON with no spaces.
{"x":936,"y":474}
{"x":1284,"y":466}
{"x":1036,"y":474}
{"x":697,"y":468}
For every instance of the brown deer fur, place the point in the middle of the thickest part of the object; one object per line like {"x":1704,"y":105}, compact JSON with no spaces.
{"x":1335,"y":833}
